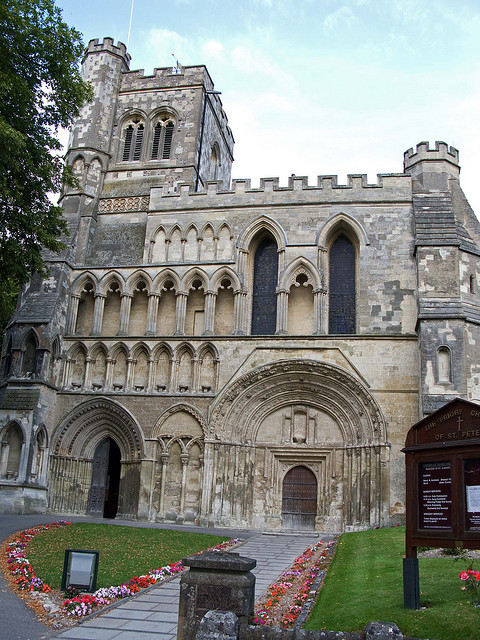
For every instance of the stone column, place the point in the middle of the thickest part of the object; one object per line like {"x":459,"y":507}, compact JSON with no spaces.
{"x":152,"y":313}
{"x":319,"y":300}
{"x":88,"y":369}
{"x":210,"y":300}
{"x":180,"y":313}
{"x":151,"y":374}
{"x":216,"y":580}
{"x":125,"y":306}
{"x":109,"y":372}
{"x":282,"y":311}
{"x":131,"y":362}
{"x":67,"y":372}
{"x":98,"y":313}
{"x":239,"y":304}
{"x":164,"y":458}
{"x":72,"y":316}
{"x":184,"y":459}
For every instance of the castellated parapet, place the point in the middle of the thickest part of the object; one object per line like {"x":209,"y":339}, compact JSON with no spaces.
{"x":393,"y":187}
{"x":107,"y":44}
{"x":423,"y":153}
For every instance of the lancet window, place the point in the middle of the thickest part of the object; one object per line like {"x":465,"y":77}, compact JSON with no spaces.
{"x":132,"y":148}
{"x":162,"y":138}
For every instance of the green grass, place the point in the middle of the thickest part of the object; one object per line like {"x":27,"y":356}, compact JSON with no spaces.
{"x":365,"y":582}
{"x":125,"y":552}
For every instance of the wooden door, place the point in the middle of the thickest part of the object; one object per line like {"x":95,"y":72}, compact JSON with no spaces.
{"x":96,"y":499}
{"x":299,"y":499}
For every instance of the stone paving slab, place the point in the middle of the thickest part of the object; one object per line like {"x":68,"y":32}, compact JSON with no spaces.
{"x":153,"y":615}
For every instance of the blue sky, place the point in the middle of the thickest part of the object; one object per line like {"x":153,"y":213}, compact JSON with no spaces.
{"x":318,"y":86}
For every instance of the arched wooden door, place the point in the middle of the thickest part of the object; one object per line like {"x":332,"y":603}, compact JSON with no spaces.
{"x":103,"y":498}
{"x":299,"y":499}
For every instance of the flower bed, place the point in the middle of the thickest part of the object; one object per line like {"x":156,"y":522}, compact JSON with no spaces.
{"x":80,"y":605}
{"x":286,"y":597}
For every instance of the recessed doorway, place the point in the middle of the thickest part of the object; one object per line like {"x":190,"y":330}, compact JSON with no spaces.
{"x":299,"y":499}
{"x":103,"y":498}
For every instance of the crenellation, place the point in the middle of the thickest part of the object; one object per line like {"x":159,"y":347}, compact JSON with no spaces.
{"x":441,"y":152}
{"x":107,"y":44}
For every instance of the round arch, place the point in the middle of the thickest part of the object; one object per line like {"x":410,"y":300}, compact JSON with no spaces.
{"x":239,"y":410}
{"x":80,"y":432}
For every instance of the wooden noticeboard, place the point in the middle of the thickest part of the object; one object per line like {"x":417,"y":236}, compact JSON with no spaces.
{"x":442,"y":457}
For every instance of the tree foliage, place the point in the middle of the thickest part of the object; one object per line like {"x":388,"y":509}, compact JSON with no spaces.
{"x":41,"y":90}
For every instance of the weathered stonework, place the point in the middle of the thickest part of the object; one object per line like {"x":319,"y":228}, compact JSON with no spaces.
{"x":134,"y":380}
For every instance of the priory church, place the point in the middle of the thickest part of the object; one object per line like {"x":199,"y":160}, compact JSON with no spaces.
{"x":205,"y":351}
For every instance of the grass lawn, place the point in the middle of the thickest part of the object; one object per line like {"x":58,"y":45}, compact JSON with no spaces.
{"x":125,"y":552}
{"x":365,"y":582}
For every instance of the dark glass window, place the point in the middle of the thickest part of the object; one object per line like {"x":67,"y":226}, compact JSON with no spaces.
{"x":342,"y":287}
{"x":265,"y":275}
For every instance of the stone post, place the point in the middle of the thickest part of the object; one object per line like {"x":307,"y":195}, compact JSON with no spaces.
{"x":216,"y":580}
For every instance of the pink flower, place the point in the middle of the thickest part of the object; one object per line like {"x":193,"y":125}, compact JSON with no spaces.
{"x":463,"y":575}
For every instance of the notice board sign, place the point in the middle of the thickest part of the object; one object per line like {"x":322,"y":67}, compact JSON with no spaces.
{"x":442,"y":456}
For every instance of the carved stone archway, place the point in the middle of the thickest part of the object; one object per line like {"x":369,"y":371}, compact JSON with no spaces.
{"x":289,"y":413}
{"x":73,"y":449}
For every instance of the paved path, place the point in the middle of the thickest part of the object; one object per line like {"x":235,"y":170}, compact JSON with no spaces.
{"x":153,"y":615}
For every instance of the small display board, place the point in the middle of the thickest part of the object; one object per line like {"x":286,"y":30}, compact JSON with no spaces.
{"x":442,"y":456}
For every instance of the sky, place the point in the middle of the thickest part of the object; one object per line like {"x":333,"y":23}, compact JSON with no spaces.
{"x":316,"y":87}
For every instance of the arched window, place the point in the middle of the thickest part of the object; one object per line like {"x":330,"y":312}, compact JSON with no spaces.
{"x":214,"y":162}
{"x":342,"y":286}
{"x":11,"y":451}
{"x":29,"y":357}
{"x":132,"y":148}
{"x":162,"y":139}
{"x":444,"y":364}
{"x":265,"y":278}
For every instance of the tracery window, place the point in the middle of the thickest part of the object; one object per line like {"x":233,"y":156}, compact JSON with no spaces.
{"x":162,"y":139}
{"x":132,"y":148}
{"x":342,"y":286}
{"x":265,"y":278}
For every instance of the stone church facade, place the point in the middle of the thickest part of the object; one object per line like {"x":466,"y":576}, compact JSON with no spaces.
{"x":204,"y":351}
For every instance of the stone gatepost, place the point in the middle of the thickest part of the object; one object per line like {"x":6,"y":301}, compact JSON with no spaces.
{"x":216,"y":580}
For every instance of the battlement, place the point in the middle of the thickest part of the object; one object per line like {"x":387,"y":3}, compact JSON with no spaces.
{"x":107,"y":44}
{"x":164,"y":77}
{"x":389,"y":187}
{"x":423,"y":153}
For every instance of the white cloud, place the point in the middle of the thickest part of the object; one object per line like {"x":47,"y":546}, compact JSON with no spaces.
{"x":165,"y":43}
{"x":213,"y":49}
{"x":343,"y":16}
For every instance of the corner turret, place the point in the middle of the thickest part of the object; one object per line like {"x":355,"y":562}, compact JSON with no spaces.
{"x":432,"y":167}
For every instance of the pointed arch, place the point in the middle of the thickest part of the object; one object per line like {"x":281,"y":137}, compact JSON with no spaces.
{"x":165,"y":418}
{"x":225,"y":243}
{"x":77,"y":361}
{"x":207,"y":243}
{"x":108,"y":279}
{"x":175,"y":244}
{"x":189,"y":278}
{"x":30,"y":364}
{"x":298,"y":266}
{"x":184,"y":359}
{"x":191,"y":249}
{"x":221,"y":274}
{"x":12,"y":447}
{"x":164,"y":277}
{"x":338,"y":223}
{"x":162,"y":359}
{"x":259,"y":226}
{"x":207,"y":358}
{"x":158,"y":245}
